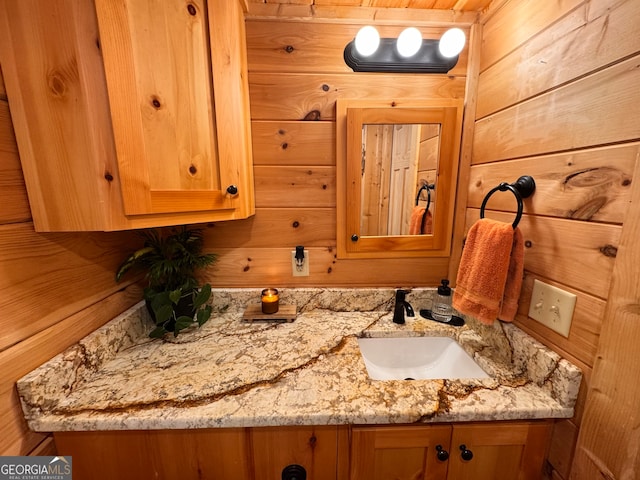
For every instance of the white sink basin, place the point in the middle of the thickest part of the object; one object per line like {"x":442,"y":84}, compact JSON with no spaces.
{"x":417,"y":358}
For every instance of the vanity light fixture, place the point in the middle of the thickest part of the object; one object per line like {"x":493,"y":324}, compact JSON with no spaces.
{"x":410,"y":53}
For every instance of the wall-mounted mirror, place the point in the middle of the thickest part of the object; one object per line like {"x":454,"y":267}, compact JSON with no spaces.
{"x":397,"y":167}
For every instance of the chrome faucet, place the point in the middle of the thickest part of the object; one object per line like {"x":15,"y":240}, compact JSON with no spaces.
{"x":401,"y":306}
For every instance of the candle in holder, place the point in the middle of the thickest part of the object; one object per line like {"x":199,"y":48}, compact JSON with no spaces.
{"x":270,"y":300}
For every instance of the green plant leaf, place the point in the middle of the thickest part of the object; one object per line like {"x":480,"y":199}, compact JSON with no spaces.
{"x":182,"y":323}
{"x":175,"y":295}
{"x":163,"y":314}
{"x":158,"y":332}
{"x":203,"y":315}
{"x":132,"y":260}
{"x":203,"y":295}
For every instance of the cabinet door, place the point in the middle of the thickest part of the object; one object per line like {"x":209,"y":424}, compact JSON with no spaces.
{"x":164,"y":454}
{"x":158,"y":64}
{"x":500,"y":451}
{"x":159,"y":83}
{"x":316,"y":449}
{"x":400,"y":453}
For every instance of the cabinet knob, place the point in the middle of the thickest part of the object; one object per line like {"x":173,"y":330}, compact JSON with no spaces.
{"x":294,"y":472}
{"x":464,"y":453}
{"x":354,"y":237}
{"x":232,"y":190}
{"x":442,"y":454}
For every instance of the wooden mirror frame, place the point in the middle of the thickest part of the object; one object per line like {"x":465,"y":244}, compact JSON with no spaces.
{"x":351,"y":115}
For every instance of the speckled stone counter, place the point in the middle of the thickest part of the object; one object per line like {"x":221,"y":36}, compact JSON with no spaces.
{"x":232,"y":373}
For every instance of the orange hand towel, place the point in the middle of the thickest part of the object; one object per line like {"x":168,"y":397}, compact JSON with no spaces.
{"x":420,"y":223}
{"x":490,"y":273}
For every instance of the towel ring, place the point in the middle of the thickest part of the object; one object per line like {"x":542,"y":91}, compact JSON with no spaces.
{"x":428,"y":188}
{"x":521,"y":188}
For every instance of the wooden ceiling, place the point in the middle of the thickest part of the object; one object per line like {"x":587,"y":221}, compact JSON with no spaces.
{"x":456,"y":5}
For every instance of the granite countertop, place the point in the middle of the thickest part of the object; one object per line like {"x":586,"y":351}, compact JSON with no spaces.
{"x":232,"y":373}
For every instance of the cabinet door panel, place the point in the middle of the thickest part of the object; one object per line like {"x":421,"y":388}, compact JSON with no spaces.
{"x":501,"y":451}
{"x":164,"y":454}
{"x":401,"y":453}
{"x":313,"y":448}
{"x":157,"y":66}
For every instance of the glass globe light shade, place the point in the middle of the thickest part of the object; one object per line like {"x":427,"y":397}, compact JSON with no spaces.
{"x":367,"y":41}
{"x":452,"y":42}
{"x":409,"y":42}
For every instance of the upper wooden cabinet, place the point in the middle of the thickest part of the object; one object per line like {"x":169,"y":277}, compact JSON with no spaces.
{"x":129,"y":114}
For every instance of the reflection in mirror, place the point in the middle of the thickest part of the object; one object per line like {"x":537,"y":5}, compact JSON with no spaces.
{"x":397,"y":160}
{"x":377,"y":193}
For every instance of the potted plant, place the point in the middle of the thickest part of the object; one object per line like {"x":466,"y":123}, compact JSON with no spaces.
{"x":173,"y":297}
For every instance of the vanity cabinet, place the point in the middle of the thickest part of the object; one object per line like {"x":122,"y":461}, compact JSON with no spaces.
{"x":482,"y":451}
{"x":129,"y":114}
{"x":260,"y":453}
{"x":492,"y":451}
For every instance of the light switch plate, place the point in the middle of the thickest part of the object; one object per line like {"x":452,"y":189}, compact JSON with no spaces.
{"x":552,"y":306}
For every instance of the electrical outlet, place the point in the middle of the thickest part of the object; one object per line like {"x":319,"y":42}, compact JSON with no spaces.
{"x":552,"y":307}
{"x":300,"y":271}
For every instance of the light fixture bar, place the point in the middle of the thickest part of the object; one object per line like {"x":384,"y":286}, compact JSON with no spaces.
{"x":387,"y":59}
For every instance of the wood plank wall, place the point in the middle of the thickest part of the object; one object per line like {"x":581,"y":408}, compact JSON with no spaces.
{"x":54,"y":290}
{"x":557,"y":99}
{"x":296,"y":73}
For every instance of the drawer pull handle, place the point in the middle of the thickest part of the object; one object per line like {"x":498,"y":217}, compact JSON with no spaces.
{"x":442,"y":454}
{"x":464,"y":453}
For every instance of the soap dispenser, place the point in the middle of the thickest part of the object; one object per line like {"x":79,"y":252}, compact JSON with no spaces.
{"x":441,"y":310}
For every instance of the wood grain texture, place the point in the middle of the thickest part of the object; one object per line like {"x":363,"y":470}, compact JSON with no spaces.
{"x":563,"y":118}
{"x":319,"y":47}
{"x":17,"y":438}
{"x":399,"y":452}
{"x":349,"y":11}
{"x":48,"y":277}
{"x":313,"y":447}
{"x":66,"y":90}
{"x":313,"y":186}
{"x":516,"y":22}
{"x":592,"y":184}
{"x":257,"y":267}
{"x":608,"y":443}
{"x":149,"y":455}
{"x":156,"y":63}
{"x":228,"y":48}
{"x":294,"y":143}
{"x":563,"y":442}
{"x":515,"y":450}
{"x":13,"y":193}
{"x":578,"y":44}
{"x":45,"y":448}
{"x":289,"y":96}
{"x":307,"y":226}
{"x":3,"y":91}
